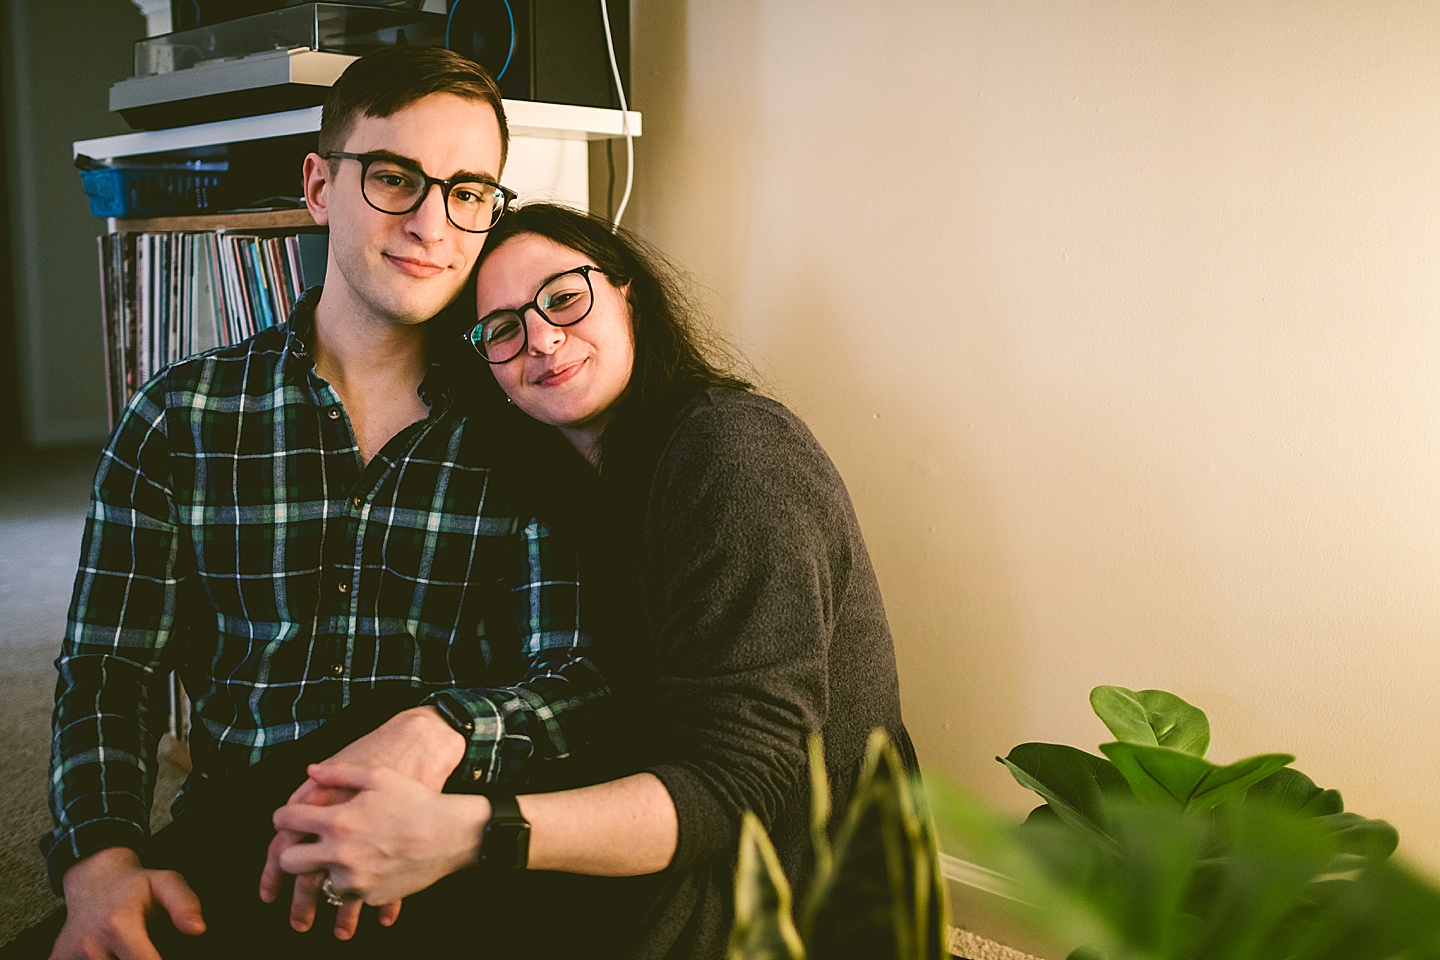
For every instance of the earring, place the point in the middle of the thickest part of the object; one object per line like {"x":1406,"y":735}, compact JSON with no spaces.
{"x":510,"y":400}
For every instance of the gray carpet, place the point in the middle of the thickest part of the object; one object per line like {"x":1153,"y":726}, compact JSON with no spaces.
{"x":42,"y":510}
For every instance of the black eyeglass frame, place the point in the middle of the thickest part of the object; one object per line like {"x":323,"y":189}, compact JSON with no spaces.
{"x":584,"y":270}
{"x":507,"y":196}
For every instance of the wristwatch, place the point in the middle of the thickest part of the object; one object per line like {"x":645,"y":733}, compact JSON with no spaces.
{"x":505,"y":843}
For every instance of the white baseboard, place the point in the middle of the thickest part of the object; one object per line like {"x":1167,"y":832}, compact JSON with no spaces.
{"x":976,"y":877}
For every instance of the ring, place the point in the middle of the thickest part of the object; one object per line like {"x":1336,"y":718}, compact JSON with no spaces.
{"x":332,"y":896}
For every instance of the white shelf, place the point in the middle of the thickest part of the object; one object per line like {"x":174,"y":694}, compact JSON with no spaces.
{"x":544,"y":121}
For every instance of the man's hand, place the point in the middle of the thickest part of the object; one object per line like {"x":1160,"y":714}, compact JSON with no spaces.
{"x":108,"y":898}
{"x":418,"y":743}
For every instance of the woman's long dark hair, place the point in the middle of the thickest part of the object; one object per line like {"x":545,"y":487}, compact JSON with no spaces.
{"x":675,"y":355}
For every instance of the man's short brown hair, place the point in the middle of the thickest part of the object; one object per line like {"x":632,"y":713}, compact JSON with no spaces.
{"x":387,"y":81}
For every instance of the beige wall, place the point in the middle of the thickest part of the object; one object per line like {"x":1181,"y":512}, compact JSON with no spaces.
{"x":1122,"y":322}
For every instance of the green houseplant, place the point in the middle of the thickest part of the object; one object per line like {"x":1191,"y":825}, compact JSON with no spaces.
{"x":876,"y":891}
{"x":1152,"y":852}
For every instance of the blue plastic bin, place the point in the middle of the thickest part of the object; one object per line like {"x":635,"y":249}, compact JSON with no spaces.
{"x":151,"y":191}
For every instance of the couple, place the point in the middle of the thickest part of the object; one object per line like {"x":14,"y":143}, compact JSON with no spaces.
{"x":378,"y":568}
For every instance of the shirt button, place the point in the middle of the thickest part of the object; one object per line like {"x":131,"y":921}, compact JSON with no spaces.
{"x":333,"y":413}
{"x":475,"y":774}
{"x":343,"y":586}
{"x":336,"y":669}
{"x":356,"y":501}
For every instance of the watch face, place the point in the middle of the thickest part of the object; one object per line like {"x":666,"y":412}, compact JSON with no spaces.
{"x":505,"y":843}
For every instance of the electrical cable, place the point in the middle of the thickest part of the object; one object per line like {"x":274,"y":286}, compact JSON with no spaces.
{"x":624,"y":118}
{"x":609,"y":178}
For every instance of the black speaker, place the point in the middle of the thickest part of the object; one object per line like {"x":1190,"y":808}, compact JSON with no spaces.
{"x":548,"y":50}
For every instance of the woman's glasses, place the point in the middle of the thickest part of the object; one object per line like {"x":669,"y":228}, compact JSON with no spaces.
{"x":563,"y":300}
{"x":398,"y":186}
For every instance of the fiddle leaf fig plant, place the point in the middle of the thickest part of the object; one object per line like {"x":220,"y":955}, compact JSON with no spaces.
{"x":1153,"y":852}
{"x":876,"y":890}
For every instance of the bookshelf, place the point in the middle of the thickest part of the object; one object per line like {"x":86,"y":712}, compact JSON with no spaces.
{"x":549,"y":144}
{"x":240,"y":220}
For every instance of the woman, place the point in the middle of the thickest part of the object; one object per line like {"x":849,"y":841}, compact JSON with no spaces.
{"x":739,"y":601}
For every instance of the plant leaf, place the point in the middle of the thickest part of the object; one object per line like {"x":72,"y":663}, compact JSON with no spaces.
{"x":1152,"y":717}
{"x":764,"y":928}
{"x":1074,"y":783}
{"x":1289,"y":789}
{"x":884,"y":898}
{"x":1361,"y":838}
{"x":819,"y":813}
{"x":1165,"y":775}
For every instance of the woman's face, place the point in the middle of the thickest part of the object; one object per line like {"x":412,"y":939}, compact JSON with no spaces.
{"x":569,"y":377}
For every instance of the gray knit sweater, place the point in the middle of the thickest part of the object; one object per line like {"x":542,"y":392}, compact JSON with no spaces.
{"x":764,"y":622}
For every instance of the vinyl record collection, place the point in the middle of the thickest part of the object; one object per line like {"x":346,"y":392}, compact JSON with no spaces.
{"x":166,"y":296}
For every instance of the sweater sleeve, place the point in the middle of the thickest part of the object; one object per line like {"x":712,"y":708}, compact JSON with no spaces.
{"x":745,"y":537}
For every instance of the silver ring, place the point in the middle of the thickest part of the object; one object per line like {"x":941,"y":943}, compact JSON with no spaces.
{"x":332,"y":896}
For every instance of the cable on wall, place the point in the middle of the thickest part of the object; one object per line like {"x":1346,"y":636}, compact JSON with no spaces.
{"x":624,"y":118}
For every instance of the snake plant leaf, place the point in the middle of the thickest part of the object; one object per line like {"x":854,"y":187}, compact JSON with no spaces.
{"x":1074,"y":783}
{"x":1161,"y":774}
{"x":884,"y":898}
{"x":764,"y":927}
{"x":1152,"y":717}
{"x":1289,"y":789}
{"x":819,"y":814}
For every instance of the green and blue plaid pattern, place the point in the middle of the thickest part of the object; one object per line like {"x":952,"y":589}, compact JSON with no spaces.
{"x":235,"y":535}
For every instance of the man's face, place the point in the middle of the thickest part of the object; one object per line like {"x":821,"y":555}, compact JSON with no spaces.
{"x":402,"y":269}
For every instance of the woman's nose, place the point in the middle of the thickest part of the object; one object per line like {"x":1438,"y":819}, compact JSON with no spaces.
{"x":545,"y":338}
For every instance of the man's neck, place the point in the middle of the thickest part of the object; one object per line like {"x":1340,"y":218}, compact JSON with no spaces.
{"x":356,"y":351}
{"x":375,"y":367}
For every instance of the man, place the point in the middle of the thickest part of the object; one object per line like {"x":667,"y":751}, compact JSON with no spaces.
{"x":303,"y":521}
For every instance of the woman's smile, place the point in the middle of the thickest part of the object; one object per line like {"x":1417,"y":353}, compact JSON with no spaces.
{"x":560,"y":375}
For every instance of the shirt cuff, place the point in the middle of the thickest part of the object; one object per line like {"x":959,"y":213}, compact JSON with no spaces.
{"x":63,"y":849}
{"x":477,"y":718}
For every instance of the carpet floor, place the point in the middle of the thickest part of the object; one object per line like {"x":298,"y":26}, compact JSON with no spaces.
{"x":42,"y":513}
{"x":43,"y":496}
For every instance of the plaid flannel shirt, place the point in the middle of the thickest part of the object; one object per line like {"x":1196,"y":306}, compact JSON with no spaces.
{"x":235,"y":535}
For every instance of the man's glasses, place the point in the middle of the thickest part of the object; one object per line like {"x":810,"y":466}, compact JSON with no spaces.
{"x":563,"y":300}
{"x":396,"y":186}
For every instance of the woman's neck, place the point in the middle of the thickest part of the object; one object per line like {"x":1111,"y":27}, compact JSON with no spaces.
{"x":586,"y":441}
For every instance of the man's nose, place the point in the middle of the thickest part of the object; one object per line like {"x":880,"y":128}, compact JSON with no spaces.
{"x":428,"y":222}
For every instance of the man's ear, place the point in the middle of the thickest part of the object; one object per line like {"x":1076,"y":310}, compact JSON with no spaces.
{"x":317,"y":187}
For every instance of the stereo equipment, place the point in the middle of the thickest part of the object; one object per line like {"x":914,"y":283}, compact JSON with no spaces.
{"x":548,"y":50}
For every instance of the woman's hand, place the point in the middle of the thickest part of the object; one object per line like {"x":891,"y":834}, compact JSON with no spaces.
{"x":395,"y":836}
{"x":418,"y":743}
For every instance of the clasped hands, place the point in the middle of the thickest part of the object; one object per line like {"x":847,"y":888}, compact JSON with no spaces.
{"x":373,"y":821}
